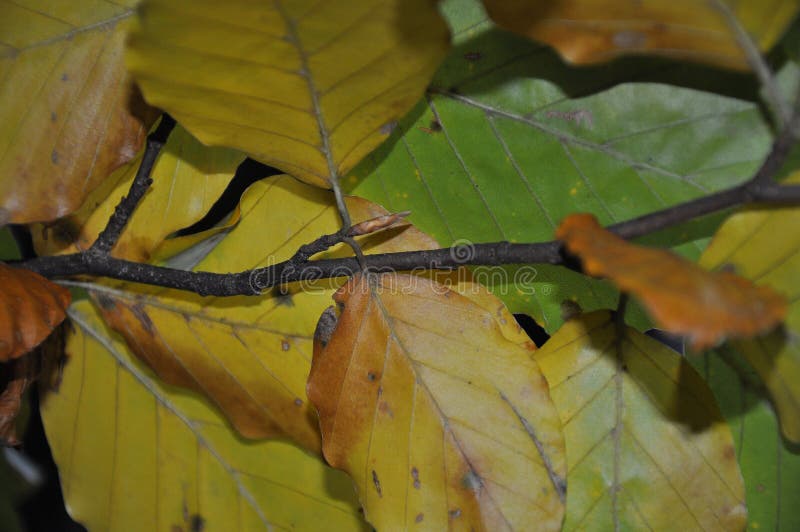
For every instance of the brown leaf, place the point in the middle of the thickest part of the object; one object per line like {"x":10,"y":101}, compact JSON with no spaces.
{"x":19,"y":375}
{"x":682,"y":297}
{"x":30,"y":308}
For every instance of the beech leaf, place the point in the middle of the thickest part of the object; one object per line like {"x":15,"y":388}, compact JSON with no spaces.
{"x":647,"y":447}
{"x":69,"y":114}
{"x":761,"y":244}
{"x":440,"y":420}
{"x":30,"y":308}
{"x":590,"y":31}
{"x":680,"y":296}
{"x":187,"y":179}
{"x":136,"y":454}
{"x":309,"y":88}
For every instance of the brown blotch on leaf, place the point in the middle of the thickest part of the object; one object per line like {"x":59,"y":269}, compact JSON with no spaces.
{"x":434,"y":127}
{"x":455,"y":513}
{"x":371,"y":376}
{"x":298,"y":402}
{"x":284,"y":345}
{"x":420,"y":516}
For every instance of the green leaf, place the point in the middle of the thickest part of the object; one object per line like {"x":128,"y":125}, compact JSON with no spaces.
{"x":770,"y":466}
{"x":509,"y":141}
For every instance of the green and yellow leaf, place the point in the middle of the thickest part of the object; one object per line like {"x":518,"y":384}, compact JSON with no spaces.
{"x":68,"y":112}
{"x":187,"y":179}
{"x":647,"y":447}
{"x":307,"y":87}
{"x":591,"y":31}
{"x":760,"y":244}
{"x":441,"y":421}
{"x":135,"y":454}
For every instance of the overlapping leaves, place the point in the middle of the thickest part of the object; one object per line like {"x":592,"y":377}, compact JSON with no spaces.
{"x":509,"y":141}
{"x":759,"y":245}
{"x":137,"y":454}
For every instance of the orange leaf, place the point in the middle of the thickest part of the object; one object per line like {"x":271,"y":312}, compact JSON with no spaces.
{"x":592,"y":31}
{"x":20,"y":374}
{"x":682,"y":297}
{"x":30,"y":308}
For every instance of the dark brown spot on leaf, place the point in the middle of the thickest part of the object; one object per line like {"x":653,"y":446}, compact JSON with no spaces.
{"x":197,"y":523}
{"x":284,"y":345}
{"x":298,"y":402}
{"x":370,"y":376}
{"x":64,"y":77}
{"x":138,"y":311}
{"x":54,"y":157}
{"x":53,"y":117}
{"x":377,"y":483}
{"x":455,"y":513}
{"x":420,"y":516}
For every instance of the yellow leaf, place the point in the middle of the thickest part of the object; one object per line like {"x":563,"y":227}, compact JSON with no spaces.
{"x":441,"y":421}
{"x":586,"y":31}
{"x":682,"y":297}
{"x":250,"y":354}
{"x":307,"y":87}
{"x":647,"y":447}
{"x":762,"y":244}
{"x":187,"y":179}
{"x":134,"y":454}
{"x":68,"y":112}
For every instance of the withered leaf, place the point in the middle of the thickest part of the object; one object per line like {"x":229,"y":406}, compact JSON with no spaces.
{"x":683,"y":298}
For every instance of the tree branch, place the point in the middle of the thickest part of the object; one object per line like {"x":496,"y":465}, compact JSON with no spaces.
{"x":98,"y":262}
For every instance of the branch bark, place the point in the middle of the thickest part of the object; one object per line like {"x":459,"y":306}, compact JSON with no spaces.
{"x":97,"y":261}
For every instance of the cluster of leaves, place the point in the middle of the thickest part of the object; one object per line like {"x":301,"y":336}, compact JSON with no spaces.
{"x":180,"y":411}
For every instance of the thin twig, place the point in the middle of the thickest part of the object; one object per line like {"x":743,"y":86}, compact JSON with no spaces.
{"x":141,"y":183}
{"x":772,"y":92}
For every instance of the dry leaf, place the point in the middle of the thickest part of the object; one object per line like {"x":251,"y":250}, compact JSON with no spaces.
{"x":69,"y":114}
{"x":647,"y":446}
{"x":30,"y":308}
{"x":586,"y":31}
{"x":680,"y":296}
{"x":18,"y":375}
{"x":442,"y":422}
